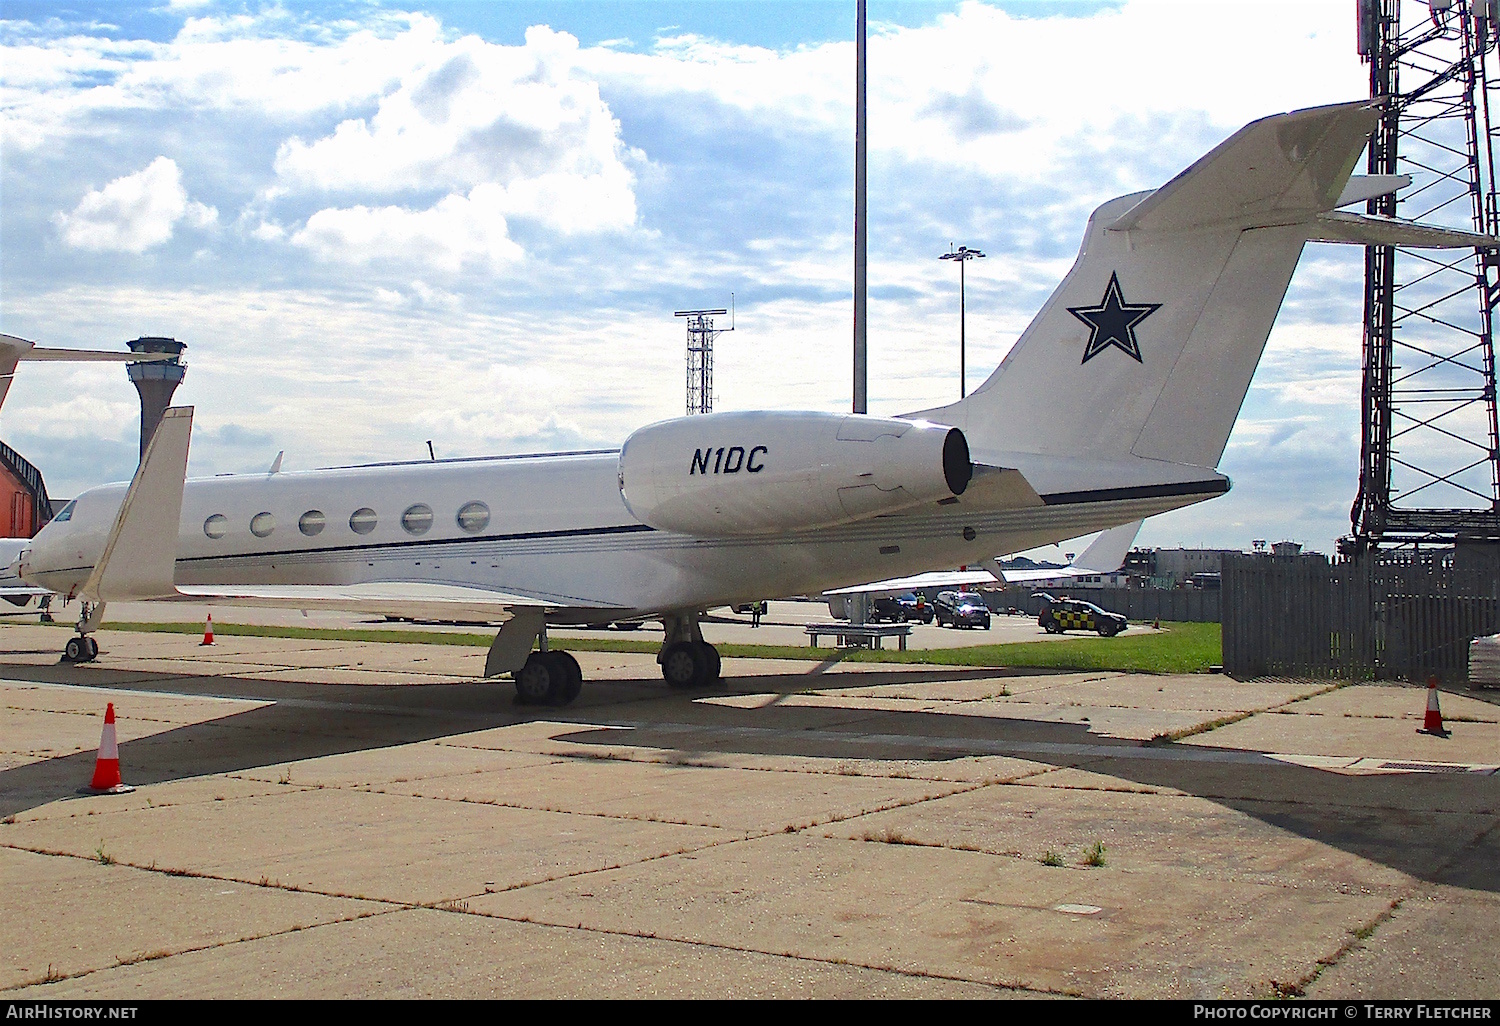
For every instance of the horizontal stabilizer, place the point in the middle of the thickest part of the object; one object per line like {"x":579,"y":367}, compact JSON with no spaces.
{"x":20,"y":349}
{"x":1374,"y":230}
{"x":1278,"y":170}
{"x":1368,"y":187}
{"x":141,"y":552}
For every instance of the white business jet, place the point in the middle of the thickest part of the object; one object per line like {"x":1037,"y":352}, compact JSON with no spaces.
{"x":1115,"y":404}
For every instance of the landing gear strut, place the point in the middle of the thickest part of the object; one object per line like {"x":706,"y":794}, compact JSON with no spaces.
{"x":82,"y":648}
{"x":687,"y":661}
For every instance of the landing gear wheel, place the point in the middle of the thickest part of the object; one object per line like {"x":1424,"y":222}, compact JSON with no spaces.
{"x":572,"y":678}
{"x":538,"y":679}
{"x":80,"y":649}
{"x":711,"y":662}
{"x":685,"y":664}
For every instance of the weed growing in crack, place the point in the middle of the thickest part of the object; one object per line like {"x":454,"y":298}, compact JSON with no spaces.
{"x":1051,"y":858}
{"x":1093,"y":855}
{"x":104,"y":857}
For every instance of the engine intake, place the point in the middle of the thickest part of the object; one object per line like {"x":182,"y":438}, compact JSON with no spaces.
{"x":728,"y":474}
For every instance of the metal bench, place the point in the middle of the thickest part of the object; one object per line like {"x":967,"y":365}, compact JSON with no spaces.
{"x":866,"y":635}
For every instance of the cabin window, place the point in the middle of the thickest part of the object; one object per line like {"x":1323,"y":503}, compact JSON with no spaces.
{"x":362,"y":521}
{"x":66,"y":513}
{"x":216,"y":526}
{"x":262,"y":524}
{"x":417,"y":519}
{"x":312,"y":522}
{"x":474,"y":517}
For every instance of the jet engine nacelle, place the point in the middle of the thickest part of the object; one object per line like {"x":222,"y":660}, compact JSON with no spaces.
{"x":727,"y":474}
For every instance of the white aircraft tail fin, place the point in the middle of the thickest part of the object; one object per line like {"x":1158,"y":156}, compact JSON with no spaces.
{"x":140,"y":554}
{"x":1147,"y":347}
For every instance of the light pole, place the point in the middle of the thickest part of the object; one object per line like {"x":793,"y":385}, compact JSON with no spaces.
{"x":963,"y":254}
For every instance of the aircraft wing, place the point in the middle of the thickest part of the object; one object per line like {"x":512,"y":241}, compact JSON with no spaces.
{"x":1104,"y":556}
{"x":386,"y":598}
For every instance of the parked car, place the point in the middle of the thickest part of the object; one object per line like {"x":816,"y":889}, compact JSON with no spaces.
{"x":1059,"y":615}
{"x":960,"y":609}
{"x":902,"y":608}
{"x":916,"y":606}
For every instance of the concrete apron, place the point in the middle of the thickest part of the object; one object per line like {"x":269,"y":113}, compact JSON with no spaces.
{"x":327,"y":819}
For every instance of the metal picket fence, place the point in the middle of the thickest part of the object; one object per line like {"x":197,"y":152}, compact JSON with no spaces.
{"x":1388,"y":617}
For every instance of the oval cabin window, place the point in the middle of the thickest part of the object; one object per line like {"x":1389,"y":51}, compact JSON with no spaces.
{"x":262,"y":524}
{"x":216,"y":526}
{"x":362,"y":521}
{"x":474,"y":517}
{"x":417,"y":519}
{"x":312,"y":522}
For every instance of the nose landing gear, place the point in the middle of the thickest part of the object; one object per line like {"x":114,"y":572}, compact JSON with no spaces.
{"x":82,"y":648}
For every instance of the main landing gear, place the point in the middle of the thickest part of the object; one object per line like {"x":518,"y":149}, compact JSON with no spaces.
{"x":687,"y":661}
{"x":81,"y":648}
{"x":549,"y":678}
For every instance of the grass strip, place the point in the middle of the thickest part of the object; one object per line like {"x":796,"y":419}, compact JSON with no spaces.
{"x":1179,"y":648}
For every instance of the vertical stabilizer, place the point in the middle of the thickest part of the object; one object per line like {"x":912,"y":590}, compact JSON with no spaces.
{"x":1148,"y":346}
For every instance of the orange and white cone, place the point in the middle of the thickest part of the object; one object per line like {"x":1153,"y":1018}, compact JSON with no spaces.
{"x":107,"y":766}
{"x":208,"y":632}
{"x":1432,"y":723}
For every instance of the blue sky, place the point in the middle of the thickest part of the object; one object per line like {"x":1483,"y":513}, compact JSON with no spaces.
{"x":377,"y":224}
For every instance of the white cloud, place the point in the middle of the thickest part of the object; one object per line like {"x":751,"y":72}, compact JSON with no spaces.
{"x":458,"y":230}
{"x":135,"y":212}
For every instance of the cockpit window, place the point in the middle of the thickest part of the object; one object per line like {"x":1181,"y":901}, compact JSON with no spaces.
{"x":66,"y":513}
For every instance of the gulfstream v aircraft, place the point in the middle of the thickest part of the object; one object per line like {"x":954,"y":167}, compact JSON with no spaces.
{"x":1114,"y":404}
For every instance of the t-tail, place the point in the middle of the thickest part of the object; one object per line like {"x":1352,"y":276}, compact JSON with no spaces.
{"x":1146,"y":349}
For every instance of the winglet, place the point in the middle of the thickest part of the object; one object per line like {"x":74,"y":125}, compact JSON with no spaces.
{"x":1107,"y":553}
{"x":141,"y":552}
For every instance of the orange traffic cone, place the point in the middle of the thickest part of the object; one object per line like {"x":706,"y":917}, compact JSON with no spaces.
{"x":107,"y":766}
{"x":208,"y":632}
{"x":1432,"y":723}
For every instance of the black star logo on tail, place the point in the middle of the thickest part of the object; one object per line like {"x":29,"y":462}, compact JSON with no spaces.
{"x":1112,"y":322}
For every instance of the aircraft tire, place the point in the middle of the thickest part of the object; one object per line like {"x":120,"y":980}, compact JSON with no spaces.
{"x":537,"y":679}
{"x":93,"y":648}
{"x":75,"y":651}
{"x":572,"y":678}
{"x":684,"y":665}
{"x":713,"y":664}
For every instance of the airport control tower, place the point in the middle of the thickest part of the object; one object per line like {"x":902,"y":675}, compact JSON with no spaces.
{"x":155,"y":381}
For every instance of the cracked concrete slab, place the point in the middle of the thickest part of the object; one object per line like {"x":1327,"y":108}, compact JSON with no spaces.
{"x":660,"y":840}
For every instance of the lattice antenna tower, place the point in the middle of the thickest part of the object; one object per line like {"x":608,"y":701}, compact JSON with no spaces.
{"x":1428,"y":456}
{"x":700,"y":357}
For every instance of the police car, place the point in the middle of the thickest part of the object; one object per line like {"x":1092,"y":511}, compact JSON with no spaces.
{"x":1059,"y":615}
